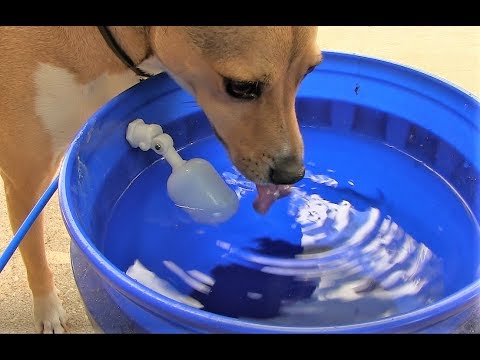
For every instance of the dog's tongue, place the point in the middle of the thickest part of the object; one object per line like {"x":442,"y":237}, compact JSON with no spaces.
{"x":267,"y":194}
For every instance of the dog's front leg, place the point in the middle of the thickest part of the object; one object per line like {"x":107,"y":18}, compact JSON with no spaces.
{"x":21,"y":196}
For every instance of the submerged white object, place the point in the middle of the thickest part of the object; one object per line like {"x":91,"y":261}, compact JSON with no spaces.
{"x":147,"y":278}
{"x":194,"y":185}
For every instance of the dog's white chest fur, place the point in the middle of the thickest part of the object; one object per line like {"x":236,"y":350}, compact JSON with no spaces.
{"x":63,"y":104}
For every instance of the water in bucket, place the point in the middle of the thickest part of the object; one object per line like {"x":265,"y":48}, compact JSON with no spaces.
{"x":360,"y":238}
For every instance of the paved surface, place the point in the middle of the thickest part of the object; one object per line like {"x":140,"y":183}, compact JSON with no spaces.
{"x":452,"y":53}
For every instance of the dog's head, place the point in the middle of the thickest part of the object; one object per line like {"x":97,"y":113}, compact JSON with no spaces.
{"x":246,"y":79}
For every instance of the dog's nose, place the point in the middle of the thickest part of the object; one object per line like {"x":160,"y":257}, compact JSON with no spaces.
{"x":286,"y":171}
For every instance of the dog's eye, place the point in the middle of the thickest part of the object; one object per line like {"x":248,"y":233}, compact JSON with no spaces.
{"x":245,"y":90}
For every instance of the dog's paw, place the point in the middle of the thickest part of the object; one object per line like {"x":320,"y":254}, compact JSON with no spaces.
{"x":49,"y":315}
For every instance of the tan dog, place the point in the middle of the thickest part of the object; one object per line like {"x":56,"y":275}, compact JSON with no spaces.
{"x":53,"y":78}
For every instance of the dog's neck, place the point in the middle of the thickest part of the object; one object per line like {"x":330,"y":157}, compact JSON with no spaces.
{"x":133,"y":40}
{"x":89,"y":60}
{"x":120,"y":53}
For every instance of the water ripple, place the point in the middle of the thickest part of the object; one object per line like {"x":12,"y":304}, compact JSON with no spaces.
{"x":362,"y":264}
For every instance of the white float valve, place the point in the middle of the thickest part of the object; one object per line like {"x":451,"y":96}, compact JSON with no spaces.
{"x":194,"y":185}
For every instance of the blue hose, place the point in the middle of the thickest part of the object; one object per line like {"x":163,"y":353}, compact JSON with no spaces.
{"x":27,"y":224}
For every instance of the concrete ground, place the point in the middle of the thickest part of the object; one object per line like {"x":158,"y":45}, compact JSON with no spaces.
{"x":452,"y":53}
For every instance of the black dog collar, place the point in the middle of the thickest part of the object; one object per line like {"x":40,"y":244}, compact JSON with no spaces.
{"x":117,"y":50}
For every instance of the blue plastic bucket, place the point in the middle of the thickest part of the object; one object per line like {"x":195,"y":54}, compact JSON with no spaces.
{"x":386,"y":102}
